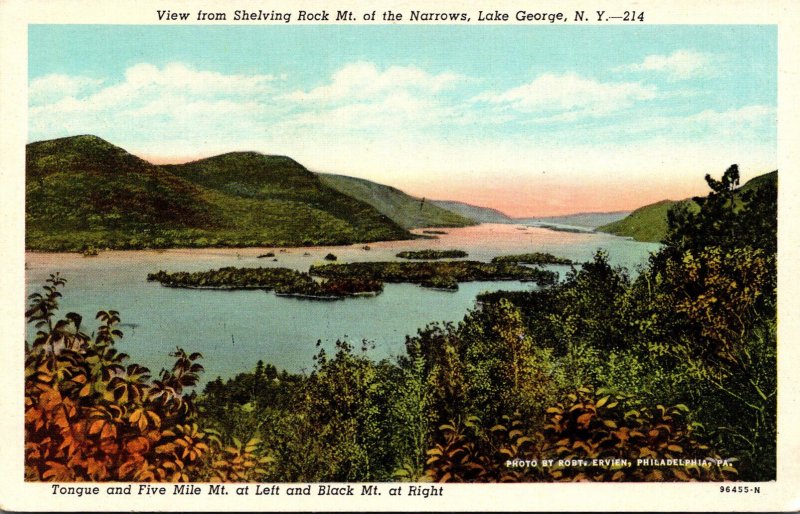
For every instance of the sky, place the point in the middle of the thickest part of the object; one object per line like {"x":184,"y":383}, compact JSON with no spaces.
{"x":530,"y":120}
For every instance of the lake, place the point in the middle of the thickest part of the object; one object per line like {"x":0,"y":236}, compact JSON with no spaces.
{"x":234,"y":329}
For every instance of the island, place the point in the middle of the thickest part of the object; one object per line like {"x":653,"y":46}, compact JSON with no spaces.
{"x":353,"y":279}
{"x":284,"y":281}
{"x":432,"y":254}
{"x":532,"y":258}
{"x":439,"y":274}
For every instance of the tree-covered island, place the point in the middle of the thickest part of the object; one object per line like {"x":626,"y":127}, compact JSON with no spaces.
{"x":532,"y":258}
{"x":353,"y":279}
{"x":284,"y":281}
{"x":432,"y":254}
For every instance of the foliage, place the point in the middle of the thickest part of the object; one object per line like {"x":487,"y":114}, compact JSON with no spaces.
{"x":591,"y":436}
{"x":342,"y":405}
{"x":467,"y":453}
{"x":729,"y":217}
{"x":411,"y":415}
{"x":717,"y":279}
{"x":713,"y":298}
{"x":593,"y":425}
{"x":89,"y":416}
{"x":505,"y":370}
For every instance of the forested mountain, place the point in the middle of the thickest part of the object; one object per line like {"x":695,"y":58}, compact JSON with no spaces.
{"x":85,"y":192}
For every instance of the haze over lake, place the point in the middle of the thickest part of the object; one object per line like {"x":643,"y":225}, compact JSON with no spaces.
{"x":234,"y":329}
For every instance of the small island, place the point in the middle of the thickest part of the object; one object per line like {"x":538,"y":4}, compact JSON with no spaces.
{"x":531,"y":258}
{"x":284,"y":281}
{"x":432,"y":254}
{"x":439,"y":275}
{"x":571,"y":230}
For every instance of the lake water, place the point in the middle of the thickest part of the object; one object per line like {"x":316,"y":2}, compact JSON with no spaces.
{"x":234,"y":329}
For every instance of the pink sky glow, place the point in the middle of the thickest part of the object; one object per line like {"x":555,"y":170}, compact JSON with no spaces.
{"x":536,"y":196}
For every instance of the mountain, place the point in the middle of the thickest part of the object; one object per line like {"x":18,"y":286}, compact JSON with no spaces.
{"x":82,"y":191}
{"x":479,"y":214}
{"x":280,"y":193}
{"x":649,"y":223}
{"x":581,"y":219}
{"x":405,"y":210}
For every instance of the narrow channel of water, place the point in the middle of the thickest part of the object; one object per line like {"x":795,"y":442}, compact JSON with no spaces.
{"x":234,"y":329}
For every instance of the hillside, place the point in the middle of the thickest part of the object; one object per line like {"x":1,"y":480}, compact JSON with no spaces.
{"x":756,"y":182}
{"x":479,"y":214}
{"x":83,"y":191}
{"x":405,"y":210}
{"x":649,"y":223}
{"x":279,"y":193}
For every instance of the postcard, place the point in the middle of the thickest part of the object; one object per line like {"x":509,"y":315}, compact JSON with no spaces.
{"x":427,"y":256}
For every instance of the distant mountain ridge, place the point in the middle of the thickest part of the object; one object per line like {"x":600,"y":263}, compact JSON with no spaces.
{"x":406,"y":210}
{"x":82,"y":191}
{"x":479,"y":214}
{"x":580,"y":219}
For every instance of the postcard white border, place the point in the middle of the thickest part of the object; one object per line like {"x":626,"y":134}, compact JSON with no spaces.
{"x":782,"y":495}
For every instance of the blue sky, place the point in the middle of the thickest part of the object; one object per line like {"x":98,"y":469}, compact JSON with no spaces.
{"x":531,"y":120}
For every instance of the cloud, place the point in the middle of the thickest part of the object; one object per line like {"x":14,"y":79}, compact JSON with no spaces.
{"x":749,"y":115}
{"x":363,"y":80}
{"x":679,"y":65}
{"x":174,"y":100}
{"x":360,"y":97}
{"x":185,"y":78}
{"x":750,"y":122}
{"x":143,"y":85}
{"x":54,"y":86}
{"x":568,"y":96}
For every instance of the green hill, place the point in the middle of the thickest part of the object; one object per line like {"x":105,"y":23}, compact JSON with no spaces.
{"x":405,"y":210}
{"x":83,"y":191}
{"x":280,"y":193}
{"x":649,"y":223}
